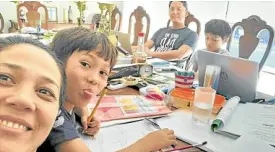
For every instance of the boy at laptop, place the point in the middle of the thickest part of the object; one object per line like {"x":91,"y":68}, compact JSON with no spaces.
{"x":217,"y":32}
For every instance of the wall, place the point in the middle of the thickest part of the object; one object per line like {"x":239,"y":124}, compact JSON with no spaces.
{"x":240,"y":10}
{"x":8,"y":11}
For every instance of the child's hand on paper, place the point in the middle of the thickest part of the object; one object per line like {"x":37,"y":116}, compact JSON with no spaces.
{"x":159,"y":139}
{"x":90,"y":128}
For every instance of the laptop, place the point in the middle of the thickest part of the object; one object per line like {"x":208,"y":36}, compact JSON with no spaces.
{"x":238,"y":77}
{"x":124,"y":40}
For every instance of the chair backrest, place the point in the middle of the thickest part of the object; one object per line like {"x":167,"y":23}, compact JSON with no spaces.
{"x":248,"y":42}
{"x":1,"y":23}
{"x":114,"y":21}
{"x":32,"y":15}
{"x":190,"y":18}
{"x":139,"y":13}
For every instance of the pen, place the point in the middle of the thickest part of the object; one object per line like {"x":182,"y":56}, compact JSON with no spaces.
{"x":97,"y":104}
{"x":187,"y":147}
{"x":153,"y":122}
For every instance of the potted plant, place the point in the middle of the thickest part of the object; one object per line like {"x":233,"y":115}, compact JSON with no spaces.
{"x":81,"y":5}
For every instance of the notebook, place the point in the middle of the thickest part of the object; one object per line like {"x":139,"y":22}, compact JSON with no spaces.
{"x":250,"y":118}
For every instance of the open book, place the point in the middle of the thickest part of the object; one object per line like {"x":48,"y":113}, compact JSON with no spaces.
{"x":235,"y":120}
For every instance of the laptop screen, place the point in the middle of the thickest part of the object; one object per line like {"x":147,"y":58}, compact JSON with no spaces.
{"x":238,"y":76}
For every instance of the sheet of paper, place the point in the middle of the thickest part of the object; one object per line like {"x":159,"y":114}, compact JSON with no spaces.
{"x":248,"y":143}
{"x":181,"y":123}
{"x":118,"y":137}
{"x":255,"y":119}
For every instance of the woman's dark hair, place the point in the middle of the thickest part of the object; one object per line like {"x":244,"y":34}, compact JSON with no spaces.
{"x":74,"y":39}
{"x":13,"y":40}
{"x":184,"y":3}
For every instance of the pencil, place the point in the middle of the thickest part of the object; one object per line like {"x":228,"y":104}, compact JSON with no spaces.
{"x":211,"y":81}
{"x":97,"y":104}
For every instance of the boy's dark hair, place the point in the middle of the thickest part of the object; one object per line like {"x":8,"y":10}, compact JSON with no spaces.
{"x":14,"y":40}
{"x":218,"y":27}
{"x":74,"y":39}
{"x":184,"y":3}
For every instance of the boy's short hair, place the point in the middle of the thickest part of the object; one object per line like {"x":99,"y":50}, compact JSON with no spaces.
{"x":74,"y":39}
{"x":218,"y":27}
{"x":184,"y":3}
{"x":14,"y":40}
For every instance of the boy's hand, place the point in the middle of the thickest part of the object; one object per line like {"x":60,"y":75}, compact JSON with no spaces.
{"x":90,"y":128}
{"x":158,"y":139}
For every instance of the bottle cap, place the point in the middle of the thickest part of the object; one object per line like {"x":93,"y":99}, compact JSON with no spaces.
{"x":140,"y":34}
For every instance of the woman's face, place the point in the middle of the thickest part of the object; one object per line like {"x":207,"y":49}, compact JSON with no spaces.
{"x":177,"y":12}
{"x":30,"y":83}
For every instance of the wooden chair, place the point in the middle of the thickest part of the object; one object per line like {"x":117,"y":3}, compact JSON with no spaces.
{"x":190,"y":18}
{"x":32,"y":15}
{"x":2,"y":23}
{"x":249,"y":41}
{"x":114,"y":21}
{"x":139,"y":13}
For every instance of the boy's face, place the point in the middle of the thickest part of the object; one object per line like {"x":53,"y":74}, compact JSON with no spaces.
{"x":87,"y":75}
{"x":177,"y":12}
{"x":213,"y":42}
{"x":30,"y":83}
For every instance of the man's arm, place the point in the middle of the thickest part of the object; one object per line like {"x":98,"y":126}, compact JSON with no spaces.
{"x":182,"y":52}
{"x":75,"y":145}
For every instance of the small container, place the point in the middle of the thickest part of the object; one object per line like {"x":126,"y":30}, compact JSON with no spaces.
{"x":184,"y":79}
{"x":181,"y":97}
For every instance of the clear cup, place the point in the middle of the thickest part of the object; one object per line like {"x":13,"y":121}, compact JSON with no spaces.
{"x":202,"y":105}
